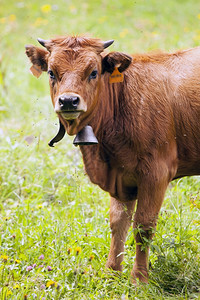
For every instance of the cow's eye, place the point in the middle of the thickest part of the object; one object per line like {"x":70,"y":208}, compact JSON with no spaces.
{"x":51,"y":74}
{"x":93,"y":75}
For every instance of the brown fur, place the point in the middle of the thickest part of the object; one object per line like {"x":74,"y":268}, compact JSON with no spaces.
{"x":147,"y":128}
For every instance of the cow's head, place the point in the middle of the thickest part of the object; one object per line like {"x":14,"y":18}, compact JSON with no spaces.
{"x":75,"y":66}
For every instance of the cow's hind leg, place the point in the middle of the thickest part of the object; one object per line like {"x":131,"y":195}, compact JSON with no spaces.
{"x":120,"y":221}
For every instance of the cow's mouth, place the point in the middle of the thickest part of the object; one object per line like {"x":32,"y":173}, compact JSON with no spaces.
{"x":70,"y":115}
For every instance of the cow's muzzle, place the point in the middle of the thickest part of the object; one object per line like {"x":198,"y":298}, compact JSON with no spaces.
{"x":70,"y":106}
{"x":68,"y":102}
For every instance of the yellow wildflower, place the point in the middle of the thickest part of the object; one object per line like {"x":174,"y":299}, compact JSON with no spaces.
{"x":17,"y":261}
{"x":196,"y":37}
{"x":3,"y":20}
{"x":69,"y":250}
{"x":12,"y":18}
{"x":72,"y":9}
{"x":15,"y":287}
{"x":8,"y":293}
{"x":91,"y":257}
{"x":39,"y":22}
{"x":46,"y":8}
{"x":4,"y":257}
{"x":198,"y":16}
{"x":78,"y":250}
{"x":123,"y":33}
{"x":39,"y":206}
{"x":51,"y":283}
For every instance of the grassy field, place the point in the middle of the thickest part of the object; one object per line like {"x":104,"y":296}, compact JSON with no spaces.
{"x":54,"y":223}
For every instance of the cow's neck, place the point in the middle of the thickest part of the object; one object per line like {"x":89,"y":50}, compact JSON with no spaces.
{"x":111,"y":119}
{"x":106,"y":162}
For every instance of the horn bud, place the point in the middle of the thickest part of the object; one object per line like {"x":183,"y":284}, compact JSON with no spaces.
{"x":41,"y":41}
{"x":45,"y":43}
{"x":106,"y":44}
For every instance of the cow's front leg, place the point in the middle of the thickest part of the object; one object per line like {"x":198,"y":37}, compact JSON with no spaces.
{"x":120,"y":221}
{"x":151,"y":191}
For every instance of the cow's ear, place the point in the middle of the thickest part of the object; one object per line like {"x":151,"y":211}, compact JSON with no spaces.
{"x":115,"y":59}
{"x":38,"y":56}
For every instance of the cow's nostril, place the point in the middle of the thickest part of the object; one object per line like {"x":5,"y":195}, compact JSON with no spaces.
{"x":61,"y":101}
{"x":75,"y":101}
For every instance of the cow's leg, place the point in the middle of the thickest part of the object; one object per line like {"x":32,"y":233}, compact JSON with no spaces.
{"x":120,"y":221}
{"x":151,"y":191}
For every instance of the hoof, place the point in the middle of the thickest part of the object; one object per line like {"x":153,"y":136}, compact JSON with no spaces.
{"x":113,"y":267}
{"x":140,"y":274}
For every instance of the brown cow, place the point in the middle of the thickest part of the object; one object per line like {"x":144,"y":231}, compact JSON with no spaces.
{"x":147,"y":125}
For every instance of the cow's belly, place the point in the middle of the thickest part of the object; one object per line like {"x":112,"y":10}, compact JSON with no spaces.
{"x":188,"y":168}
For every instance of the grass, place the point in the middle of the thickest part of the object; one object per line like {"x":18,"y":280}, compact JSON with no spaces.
{"x":54,"y":223}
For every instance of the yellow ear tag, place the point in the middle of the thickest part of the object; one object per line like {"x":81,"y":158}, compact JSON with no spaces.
{"x":36,"y":70}
{"x":116,"y":76}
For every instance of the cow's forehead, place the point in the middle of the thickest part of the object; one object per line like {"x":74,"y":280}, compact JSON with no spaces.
{"x":66,"y":59}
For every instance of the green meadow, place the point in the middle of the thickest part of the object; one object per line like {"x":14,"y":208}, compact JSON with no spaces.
{"x":54,"y":224}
